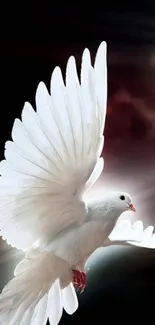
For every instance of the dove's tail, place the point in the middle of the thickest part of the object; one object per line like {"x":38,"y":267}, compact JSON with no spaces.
{"x":35,"y":294}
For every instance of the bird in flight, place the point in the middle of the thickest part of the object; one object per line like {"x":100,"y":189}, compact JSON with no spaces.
{"x":53,"y":159}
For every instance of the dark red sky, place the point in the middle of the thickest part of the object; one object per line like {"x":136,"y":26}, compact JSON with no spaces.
{"x":34,"y":40}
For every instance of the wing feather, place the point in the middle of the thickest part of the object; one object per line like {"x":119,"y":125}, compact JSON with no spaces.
{"x":126,"y":233}
{"x":54,"y":155}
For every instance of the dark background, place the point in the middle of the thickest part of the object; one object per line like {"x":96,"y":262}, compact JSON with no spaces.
{"x":34,"y":39}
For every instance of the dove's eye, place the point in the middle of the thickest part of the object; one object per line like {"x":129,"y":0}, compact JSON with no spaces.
{"x":122,"y":197}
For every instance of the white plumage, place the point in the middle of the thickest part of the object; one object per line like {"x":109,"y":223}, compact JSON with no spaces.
{"x":53,"y":158}
{"x":53,"y":153}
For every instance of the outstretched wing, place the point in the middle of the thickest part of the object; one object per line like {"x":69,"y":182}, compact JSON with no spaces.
{"x":126,"y":233}
{"x":55,"y":154}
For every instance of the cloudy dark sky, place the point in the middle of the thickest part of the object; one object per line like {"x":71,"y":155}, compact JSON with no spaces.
{"x":35,"y":38}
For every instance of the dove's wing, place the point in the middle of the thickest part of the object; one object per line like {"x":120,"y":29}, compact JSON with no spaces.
{"x":55,"y":154}
{"x":126,"y":233}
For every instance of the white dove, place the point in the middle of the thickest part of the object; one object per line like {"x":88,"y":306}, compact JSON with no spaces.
{"x":53,"y":159}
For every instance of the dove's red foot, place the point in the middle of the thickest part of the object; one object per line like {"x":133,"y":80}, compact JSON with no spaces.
{"x":79,"y":279}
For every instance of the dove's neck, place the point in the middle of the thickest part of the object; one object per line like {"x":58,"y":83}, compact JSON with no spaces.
{"x":101,"y":209}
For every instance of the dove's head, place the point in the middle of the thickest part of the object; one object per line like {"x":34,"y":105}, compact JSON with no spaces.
{"x":111,"y":205}
{"x":121,"y":202}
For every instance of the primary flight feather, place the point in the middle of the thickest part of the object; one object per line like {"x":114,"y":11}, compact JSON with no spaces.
{"x":53,"y":159}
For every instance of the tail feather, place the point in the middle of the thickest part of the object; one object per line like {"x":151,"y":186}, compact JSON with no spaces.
{"x":69,"y":299}
{"x":35,"y":294}
{"x":40,"y":316}
{"x":54,"y":307}
{"x":22,"y":307}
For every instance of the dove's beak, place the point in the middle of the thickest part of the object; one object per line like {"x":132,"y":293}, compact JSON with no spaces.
{"x":131,"y":207}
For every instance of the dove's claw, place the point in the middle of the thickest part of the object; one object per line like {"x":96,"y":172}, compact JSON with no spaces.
{"x":79,"y":280}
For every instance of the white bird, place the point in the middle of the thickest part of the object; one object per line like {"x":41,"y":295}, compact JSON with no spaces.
{"x":53,"y":159}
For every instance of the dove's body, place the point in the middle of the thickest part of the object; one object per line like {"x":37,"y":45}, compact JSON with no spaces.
{"x":77,"y":243}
